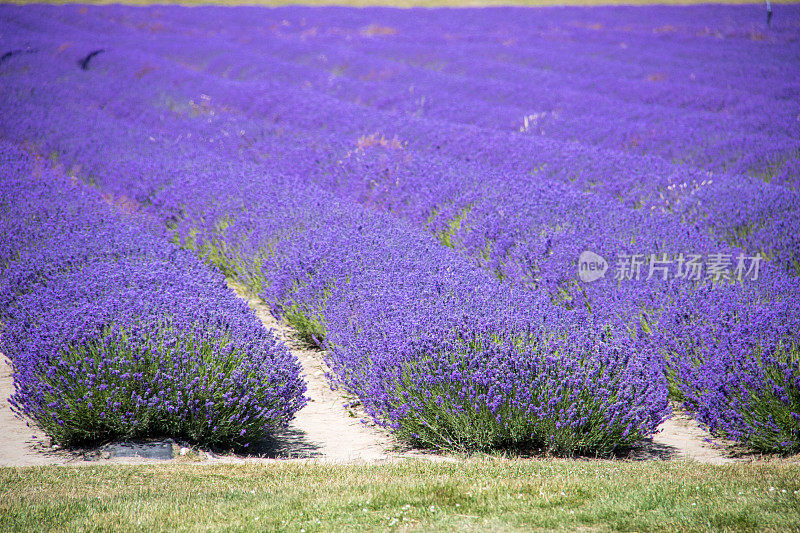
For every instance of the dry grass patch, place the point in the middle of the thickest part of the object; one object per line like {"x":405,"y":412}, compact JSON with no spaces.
{"x":496,"y":494}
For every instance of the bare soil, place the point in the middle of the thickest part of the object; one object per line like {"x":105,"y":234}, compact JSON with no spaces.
{"x":20,"y":445}
{"x":326,"y":428}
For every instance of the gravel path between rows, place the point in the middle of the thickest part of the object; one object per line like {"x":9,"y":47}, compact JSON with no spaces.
{"x":20,"y":445}
{"x":325,"y":430}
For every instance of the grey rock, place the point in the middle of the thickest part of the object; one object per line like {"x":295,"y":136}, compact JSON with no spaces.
{"x":146,"y":450}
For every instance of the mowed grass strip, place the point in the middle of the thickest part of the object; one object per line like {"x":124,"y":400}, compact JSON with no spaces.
{"x":485,"y":494}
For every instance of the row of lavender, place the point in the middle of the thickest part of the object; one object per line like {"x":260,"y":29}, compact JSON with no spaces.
{"x":658,"y":82}
{"x":491,"y":376}
{"x":741,"y":210}
{"x":436,"y":349}
{"x":112,"y":332}
{"x":527,"y":226}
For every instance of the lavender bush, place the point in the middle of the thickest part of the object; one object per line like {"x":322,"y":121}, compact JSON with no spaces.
{"x":487,"y":392}
{"x":757,"y":403}
{"x":126,"y":336}
{"x":413,"y":192}
{"x":740,"y":374}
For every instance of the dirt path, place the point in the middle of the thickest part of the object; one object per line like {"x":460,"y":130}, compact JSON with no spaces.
{"x":18,"y":447}
{"x":683,"y":438}
{"x":323,"y":430}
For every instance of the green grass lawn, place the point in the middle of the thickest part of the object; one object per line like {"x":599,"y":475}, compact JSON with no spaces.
{"x":480,"y":495}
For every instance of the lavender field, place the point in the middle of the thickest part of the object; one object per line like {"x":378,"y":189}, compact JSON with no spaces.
{"x":530,"y":229}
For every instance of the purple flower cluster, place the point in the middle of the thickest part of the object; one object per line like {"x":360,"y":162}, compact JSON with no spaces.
{"x":112,"y":332}
{"x":413,"y":189}
{"x":737,"y":365}
{"x":440,"y":352}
